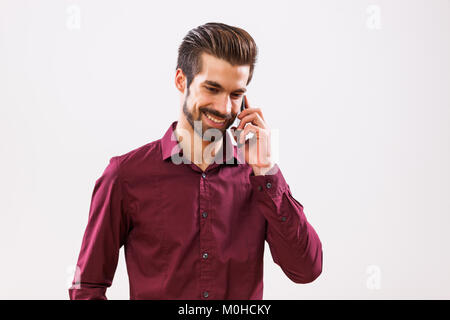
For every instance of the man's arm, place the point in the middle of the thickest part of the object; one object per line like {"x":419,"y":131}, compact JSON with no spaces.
{"x":105,"y":234}
{"x":294,"y":244}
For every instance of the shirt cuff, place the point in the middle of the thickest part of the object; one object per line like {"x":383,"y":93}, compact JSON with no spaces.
{"x":272,"y":183}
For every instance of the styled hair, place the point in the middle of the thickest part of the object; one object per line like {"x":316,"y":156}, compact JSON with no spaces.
{"x":222,"y":41}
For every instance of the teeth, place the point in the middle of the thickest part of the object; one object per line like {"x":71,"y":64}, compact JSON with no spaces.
{"x":213,"y":119}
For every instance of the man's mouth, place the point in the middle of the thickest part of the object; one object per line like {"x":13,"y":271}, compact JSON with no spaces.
{"x":214,"y":119}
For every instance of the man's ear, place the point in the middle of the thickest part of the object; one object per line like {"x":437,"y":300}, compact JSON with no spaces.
{"x":180,"y":81}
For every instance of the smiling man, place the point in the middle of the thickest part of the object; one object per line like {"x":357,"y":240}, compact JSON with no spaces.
{"x":195,"y":229}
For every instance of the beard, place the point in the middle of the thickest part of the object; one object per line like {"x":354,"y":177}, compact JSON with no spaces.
{"x":200,"y":130}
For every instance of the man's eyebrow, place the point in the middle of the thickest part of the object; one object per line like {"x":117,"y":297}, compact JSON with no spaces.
{"x":217,"y":85}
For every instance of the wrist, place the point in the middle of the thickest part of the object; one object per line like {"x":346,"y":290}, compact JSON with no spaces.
{"x":262,"y":171}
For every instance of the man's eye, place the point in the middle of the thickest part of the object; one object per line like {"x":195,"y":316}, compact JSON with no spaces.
{"x":212,"y":89}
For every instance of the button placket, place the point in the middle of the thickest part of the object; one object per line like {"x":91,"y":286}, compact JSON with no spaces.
{"x":206,"y":238}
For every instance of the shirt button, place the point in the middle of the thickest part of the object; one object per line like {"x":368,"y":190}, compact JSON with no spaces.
{"x":268,"y":185}
{"x":259,"y":188}
{"x":206,"y":294}
{"x":204,"y":175}
{"x":204,"y":214}
{"x":283,"y":218}
{"x":205,"y":256}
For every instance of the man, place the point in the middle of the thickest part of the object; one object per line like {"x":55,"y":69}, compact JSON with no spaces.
{"x":191,"y":209}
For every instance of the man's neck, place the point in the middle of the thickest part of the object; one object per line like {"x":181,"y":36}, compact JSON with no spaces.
{"x":194,"y":146}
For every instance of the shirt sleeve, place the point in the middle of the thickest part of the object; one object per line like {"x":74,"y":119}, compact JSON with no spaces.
{"x":293,"y":243}
{"x":105,"y":233}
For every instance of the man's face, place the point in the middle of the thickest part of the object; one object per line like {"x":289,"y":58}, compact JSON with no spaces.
{"x":215,"y":94}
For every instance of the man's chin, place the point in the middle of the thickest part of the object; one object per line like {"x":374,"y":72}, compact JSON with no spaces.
{"x":214,"y":130}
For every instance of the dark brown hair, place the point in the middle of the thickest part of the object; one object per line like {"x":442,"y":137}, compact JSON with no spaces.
{"x":231,"y":44}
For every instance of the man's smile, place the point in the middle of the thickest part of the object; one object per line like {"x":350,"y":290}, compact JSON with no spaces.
{"x":213,"y":118}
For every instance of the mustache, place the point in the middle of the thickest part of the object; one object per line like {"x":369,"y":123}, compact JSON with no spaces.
{"x":216,"y":114}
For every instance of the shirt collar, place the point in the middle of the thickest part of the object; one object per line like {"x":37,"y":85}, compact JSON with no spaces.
{"x":170,"y":146}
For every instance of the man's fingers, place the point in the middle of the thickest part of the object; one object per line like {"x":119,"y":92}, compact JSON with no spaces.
{"x":253,"y":118}
{"x":249,"y":111}
{"x":248,"y":128}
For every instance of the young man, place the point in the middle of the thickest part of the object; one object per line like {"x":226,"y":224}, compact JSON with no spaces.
{"x":193,"y":210}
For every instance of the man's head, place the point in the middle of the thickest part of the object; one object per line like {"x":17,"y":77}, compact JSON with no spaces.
{"x":215,"y":65}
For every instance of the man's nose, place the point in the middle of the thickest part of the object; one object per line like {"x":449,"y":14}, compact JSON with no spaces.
{"x":225,"y":105}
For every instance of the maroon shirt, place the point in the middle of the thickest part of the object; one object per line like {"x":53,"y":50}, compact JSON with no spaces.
{"x":190,"y":234}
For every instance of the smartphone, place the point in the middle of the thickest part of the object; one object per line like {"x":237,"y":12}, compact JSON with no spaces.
{"x":238,"y":133}
{"x":243,"y":103}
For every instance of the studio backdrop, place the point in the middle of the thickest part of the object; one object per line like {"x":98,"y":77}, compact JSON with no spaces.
{"x":357,"y":94}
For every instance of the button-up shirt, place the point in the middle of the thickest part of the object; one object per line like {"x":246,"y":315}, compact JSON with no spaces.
{"x":188,"y":233}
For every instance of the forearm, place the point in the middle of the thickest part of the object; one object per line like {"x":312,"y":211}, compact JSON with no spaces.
{"x":293,"y":242}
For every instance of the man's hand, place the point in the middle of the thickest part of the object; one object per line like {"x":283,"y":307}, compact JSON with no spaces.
{"x":257,"y":148}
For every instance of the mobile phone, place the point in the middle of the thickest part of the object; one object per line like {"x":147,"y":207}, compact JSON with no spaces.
{"x":243,"y":103}
{"x":238,"y":133}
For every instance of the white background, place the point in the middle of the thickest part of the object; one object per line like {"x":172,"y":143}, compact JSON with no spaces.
{"x":359,"y":91}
